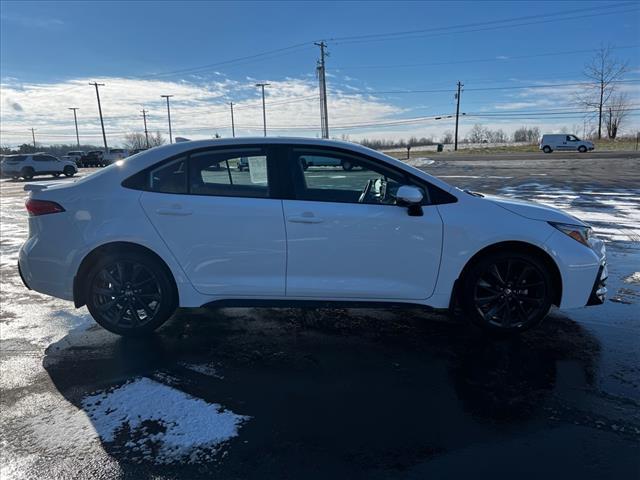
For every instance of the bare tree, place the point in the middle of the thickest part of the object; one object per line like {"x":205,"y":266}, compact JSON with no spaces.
{"x":138,"y":141}
{"x":604,"y":70}
{"x":477,"y":134}
{"x":447,"y":137}
{"x":617,"y":110}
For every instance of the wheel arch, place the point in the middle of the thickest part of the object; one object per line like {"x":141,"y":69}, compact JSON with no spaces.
{"x":522,"y":247}
{"x":79,"y":284}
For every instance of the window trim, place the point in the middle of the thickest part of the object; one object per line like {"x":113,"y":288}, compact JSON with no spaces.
{"x":433,"y":195}
{"x":273,"y":174}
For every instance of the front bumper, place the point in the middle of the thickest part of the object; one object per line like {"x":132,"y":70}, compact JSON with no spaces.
{"x":599,"y":290}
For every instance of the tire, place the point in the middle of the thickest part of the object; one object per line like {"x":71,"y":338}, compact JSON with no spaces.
{"x":56,"y":175}
{"x":347,"y":166}
{"x":68,"y":171}
{"x":27,"y":173}
{"x":492,"y":300}
{"x":15,"y":177}
{"x":547,"y":149}
{"x":582,"y":149}
{"x":111,"y":290}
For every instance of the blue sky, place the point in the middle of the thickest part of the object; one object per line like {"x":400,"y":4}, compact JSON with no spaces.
{"x":50,"y":50}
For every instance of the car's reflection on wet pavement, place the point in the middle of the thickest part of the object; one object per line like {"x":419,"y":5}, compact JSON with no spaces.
{"x":350,"y":393}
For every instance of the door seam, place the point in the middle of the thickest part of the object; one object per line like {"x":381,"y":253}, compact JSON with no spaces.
{"x":286,"y":249}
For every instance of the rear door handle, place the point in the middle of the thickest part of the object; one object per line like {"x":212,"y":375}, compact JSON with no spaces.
{"x":174,"y":211}
{"x":305,"y":218}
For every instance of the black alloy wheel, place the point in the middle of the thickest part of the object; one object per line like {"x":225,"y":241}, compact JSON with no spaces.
{"x":508,"y":292}
{"x":130,"y":294}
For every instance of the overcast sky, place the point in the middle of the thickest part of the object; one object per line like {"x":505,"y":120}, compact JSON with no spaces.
{"x":507,"y":54}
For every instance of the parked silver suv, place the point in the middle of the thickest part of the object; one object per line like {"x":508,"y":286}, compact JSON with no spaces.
{"x":29,"y":166}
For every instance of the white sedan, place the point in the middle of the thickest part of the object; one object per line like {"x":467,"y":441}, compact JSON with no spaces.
{"x":181,"y":226}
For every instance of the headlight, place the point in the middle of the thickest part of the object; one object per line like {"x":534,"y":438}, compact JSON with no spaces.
{"x":579,"y":233}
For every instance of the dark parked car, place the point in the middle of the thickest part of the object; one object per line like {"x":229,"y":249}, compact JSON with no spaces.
{"x":93,"y":158}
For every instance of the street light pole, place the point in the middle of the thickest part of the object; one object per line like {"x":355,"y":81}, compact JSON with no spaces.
{"x":264,"y":111}
{"x":169,"y":116}
{"x":104,"y":136}
{"x":75,"y":119}
{"x":146,"y":132}
{"x":233,"y":125}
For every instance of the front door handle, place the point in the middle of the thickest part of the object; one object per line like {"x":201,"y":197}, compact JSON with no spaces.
{"x":306,"y":217}
{"x":174,"y":211}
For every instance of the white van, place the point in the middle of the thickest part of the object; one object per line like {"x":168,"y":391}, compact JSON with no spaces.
{"x":564,"y":142}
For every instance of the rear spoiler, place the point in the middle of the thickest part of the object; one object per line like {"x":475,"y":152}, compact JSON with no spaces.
{"x":36,"y":187}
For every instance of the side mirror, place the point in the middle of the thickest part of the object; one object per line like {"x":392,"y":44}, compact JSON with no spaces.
{"x":411,"y":197}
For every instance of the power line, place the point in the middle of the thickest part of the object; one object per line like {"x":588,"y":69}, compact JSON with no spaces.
{"x":567,"y":15}
{"x":478,"y":60}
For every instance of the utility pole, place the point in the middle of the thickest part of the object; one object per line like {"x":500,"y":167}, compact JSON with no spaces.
{"x":233,"y":125}
{"x":104,"y":136}
{"x":146,"y":132}
{"x":75,"y":119}
{"x":169,"y":116}
{"x":460,"y":85}
{"x":264,"y":111}
{"x":33,"y":135}
{"x":322,"y":78}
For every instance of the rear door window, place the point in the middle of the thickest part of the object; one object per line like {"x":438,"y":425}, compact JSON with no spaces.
{"x":224,"y":173}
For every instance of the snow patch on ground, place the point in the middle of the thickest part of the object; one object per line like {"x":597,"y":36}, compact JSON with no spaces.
{"x":419,"y":162}
{"x":161,"y":424}
{"x":28,"y":366}
{"x":614,"y":215}
{"x":633,"y":278}
{"x":204,"y":369}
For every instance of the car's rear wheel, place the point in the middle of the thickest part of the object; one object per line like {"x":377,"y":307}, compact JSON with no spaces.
{"x":56,"y":175}
{"x":507,"y":292}
{"x":130,"y":294}
{"x":27,"y":173}
{"x":582,"y":149}
{"x":547,"y":149}
{"x":69,"y":171}
{"x":348,"y":166}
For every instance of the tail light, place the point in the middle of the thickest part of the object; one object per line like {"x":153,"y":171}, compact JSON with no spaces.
{"x":42,"y":207}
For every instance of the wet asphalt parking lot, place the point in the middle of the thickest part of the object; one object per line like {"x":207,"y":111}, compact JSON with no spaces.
{"x":337,"y":393}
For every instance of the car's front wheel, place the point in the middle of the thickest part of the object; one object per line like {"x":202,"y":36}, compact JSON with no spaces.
{"x":27,"y":173}
{"x":69,"y":171}
{"x":130,"y":294}
{"x":582,"y":149}
{"x":507,"y":291}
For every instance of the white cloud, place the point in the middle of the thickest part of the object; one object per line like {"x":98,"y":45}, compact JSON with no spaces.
{"x":198,"y":110}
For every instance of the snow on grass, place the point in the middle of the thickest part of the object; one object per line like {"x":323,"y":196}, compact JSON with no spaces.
{"x":161,"y":424}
